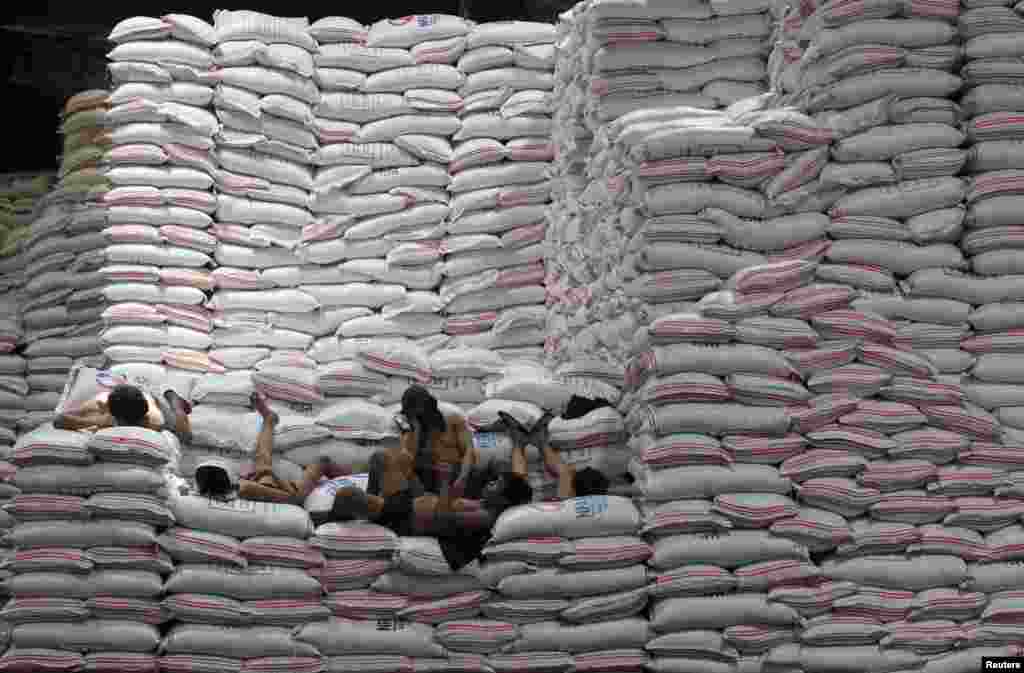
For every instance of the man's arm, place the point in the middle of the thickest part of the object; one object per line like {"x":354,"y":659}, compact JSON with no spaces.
{"x":566,"y":473}
{"x":92,"y":421}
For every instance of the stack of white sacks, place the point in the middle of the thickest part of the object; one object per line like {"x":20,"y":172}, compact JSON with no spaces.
{"x":678,"y":200}
{"x":159,"y":210}
{"x":62,"y":297}
{"x":629,"y":56}
{"x":380,"y":197}
{"x":493,"y":251}
{"x":882,"y":82}
{"x":85,"y":571}
{"x":244,"y":579}
{"x":14,"y":387}
{"x":560,"y":586}
{"x":568,"y":590}
{"x":19,"y":204}
{"x":265,"y":93}
{"x":812,"y":484}
{"x":991,"y":105}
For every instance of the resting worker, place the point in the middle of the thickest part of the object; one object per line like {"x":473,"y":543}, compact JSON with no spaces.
{"x":215,"y":478}
{"x":572,"y":483}
{"x":128,"y":405}
{"x":460,"y":515}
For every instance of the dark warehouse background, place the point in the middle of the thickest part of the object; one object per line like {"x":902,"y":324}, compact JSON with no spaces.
{"x":51,"y":50}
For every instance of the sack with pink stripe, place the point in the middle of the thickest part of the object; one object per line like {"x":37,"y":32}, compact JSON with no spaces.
{"x":47,"y":446}
{"x":139,"y":446}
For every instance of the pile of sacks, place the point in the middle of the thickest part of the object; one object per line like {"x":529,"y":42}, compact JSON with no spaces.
{"x":60,"y":262}
{"x":883,"y":83}
{"x":19,"y":200}
{"x":244,"y":580}
{"x":85,"y":570}
{"x":493,"y":272}
{"x":992,"y":106}
{"x":561,"y":586}
{"x":816,"y":493}
{"x":14,"y":387}
{"x":157,"y":214}
{"x":264,"y":99}
{"x":19,"y":197}
{"x":629,"y":56}
{"x":678,"y":200}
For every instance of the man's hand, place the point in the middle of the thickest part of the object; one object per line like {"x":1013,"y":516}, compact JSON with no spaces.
{"x":403,"y":423}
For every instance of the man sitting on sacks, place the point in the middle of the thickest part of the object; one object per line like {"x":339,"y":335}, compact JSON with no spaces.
{"x":466,"y":505}
{"x":128,"y":405}
{"x":216,"y":478}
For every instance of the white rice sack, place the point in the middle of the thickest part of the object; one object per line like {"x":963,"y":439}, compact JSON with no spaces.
{"x":710,"y":481}
{"x":248,"y":584}
{"x":898,"y":572}
{"x":728,"y":549}
{"x":605,"y":635}
{"x":241,"y":518}
{"x":234,"y":642}
{"x":358,"y":419}
{"x":720,"y":612}
{"x":591,"y":516}
{"x":339,"y":637}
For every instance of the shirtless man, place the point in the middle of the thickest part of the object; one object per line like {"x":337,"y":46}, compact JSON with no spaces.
{"x":128,"y":405}
{"x":214,"y":477}
{"x":460,"y":516}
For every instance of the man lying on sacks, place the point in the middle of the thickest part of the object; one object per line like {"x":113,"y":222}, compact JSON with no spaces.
{"x":465,"y":506}
{"x":128,"y":405}
{"x":215,"y":478}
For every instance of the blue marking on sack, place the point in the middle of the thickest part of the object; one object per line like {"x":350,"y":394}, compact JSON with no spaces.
{"x":485,"y":440}
{"x":591,"y":505}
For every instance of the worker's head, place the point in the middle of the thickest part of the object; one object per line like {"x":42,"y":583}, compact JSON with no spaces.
{"x":589,"y":481}
{"x":418,"y":405}
{"x":350,"y":503}
{"x":215,"y":478}
{"x":128,"y":405}
{"x":508,"y":490}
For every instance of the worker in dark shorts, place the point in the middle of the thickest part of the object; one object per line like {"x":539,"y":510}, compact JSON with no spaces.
{"x":460,"y":516}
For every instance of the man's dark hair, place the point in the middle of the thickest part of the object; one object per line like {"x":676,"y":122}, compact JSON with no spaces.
{"x":349,"y":504}
{"x":128,"y":405}
{"x":589,"y":481}
{"x":517,"y":490}
{"x":213,"y":482}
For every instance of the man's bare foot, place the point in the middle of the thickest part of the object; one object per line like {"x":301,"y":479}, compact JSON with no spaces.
{"x":262,"y":405}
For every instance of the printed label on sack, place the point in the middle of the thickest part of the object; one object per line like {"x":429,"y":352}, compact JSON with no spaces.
{"x":485,"y":440}
{"x":421,"y":20}
{"x":385,"y":624}
{"x":236,"y":505}
{"x":591,"y":505}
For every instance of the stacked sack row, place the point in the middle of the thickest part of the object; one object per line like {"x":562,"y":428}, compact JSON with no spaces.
{"x":883,"y":82}
{"x":19,"y":196}
{"x":817,"y":496}
{"x":493,"y":272}
{"x":60,"y":263}
{"x":627,"y":56}
{"x":561,"y":587}
{"x":245,"y":580}
{"x":86,"y":568}
{"x":679,"y":199}
{"x":156,"y":217}
{"x":991,"y":106}
{"x":264,"y":98}
{"x":19,"y":201}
